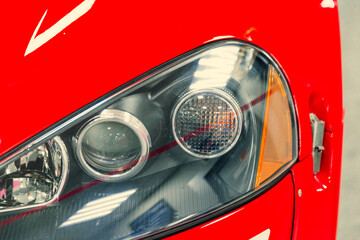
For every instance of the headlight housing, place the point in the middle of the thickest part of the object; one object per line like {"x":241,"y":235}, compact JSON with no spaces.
{"x":205,"y":131}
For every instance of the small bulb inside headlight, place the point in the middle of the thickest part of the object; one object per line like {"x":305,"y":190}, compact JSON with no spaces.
{"x":113,"y":146}
{"x":207,"y":123}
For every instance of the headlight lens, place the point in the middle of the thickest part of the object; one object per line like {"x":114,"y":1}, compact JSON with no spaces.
{"x":199,"y":135}
{"x":110,"y":145}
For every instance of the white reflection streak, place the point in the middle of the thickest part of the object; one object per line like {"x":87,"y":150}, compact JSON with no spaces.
{"x":220,"y":219}
{"x":212,"y":73}
{"x":98,"y":208}
{"x":214,"y":69}
{"x":227,"y":55}
{"x":327,"y":4}
{"x":84,"y":219}
{"x":218,"y":64}
{"x":210,"y":83}
{"x":220,"y":38}
{"x":231,"y":50}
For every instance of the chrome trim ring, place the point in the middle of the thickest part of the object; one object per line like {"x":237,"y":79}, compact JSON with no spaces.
{"x":124,"y":172}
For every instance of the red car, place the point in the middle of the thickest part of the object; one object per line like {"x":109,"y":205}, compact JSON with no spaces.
{"x":188,"y":119}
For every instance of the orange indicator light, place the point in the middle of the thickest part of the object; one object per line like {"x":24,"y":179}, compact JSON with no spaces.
{"x":276,"y":141}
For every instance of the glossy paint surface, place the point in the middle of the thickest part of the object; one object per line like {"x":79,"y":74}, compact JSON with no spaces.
{"x":115,"y":41}
{"x":319,"y":201}
{"x":273,"y":211}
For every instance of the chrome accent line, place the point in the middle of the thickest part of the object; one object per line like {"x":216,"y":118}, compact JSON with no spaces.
{"x":317,"y":129}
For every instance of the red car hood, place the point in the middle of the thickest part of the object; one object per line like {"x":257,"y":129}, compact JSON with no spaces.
{"x":113,"y":42}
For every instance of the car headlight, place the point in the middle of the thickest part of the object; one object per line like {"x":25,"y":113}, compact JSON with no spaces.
{"x":208,"y":130}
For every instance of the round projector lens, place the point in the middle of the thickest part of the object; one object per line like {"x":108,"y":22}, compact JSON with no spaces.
{"x":207,"y":123}
{"x":113,"y":145}
{"x":109,"y":145}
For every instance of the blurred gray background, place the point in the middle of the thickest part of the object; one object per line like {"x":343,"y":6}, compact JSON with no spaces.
{"x":349,"y":212}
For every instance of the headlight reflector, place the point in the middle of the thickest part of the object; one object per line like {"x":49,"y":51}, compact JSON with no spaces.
{"x":207,"y":123}
{"x":34,"y":179}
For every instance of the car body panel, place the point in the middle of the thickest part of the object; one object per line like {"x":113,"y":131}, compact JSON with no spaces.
{"x":114,"y":42}
{"x":316,"y":209}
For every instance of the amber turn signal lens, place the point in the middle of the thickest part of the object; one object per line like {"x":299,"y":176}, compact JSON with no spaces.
{"x":276,"y":142}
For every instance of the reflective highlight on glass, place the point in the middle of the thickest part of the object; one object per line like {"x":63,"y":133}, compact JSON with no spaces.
{"x":98,"y":208}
